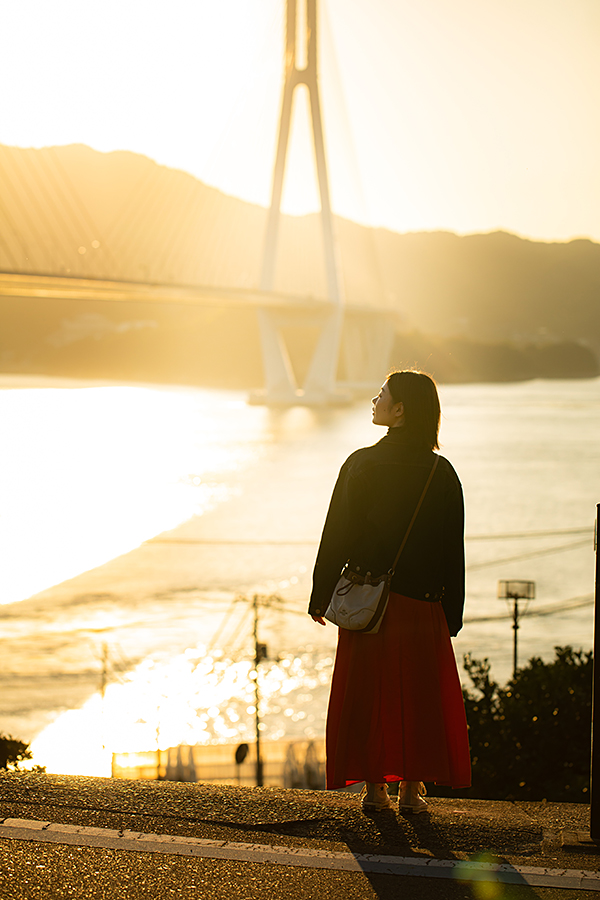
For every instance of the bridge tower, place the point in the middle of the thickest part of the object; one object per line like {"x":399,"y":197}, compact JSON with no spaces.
{"x":319,"y":387}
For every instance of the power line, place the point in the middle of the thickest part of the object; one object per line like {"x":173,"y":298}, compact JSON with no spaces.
{"x":517,"y":535}
{"x":550,"y":609}
{"x":548,"y":551}
{"x":238,"y":631}
{"x":588,"y":529}
{"x":232,"y":542}
{"x":222,"y":624}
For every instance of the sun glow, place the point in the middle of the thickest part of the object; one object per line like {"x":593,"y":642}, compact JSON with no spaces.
{"x":464,"y":116}
{"x":193,"y":698}
{"x":89,"y":474}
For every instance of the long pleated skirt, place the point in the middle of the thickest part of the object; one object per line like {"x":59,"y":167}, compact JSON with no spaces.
{"x":396,"y":711}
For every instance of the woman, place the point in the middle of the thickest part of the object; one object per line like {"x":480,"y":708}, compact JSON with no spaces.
{"x":396,"y":711}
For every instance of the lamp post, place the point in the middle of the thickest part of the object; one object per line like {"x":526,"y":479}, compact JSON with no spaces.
{"x":515,"y":591}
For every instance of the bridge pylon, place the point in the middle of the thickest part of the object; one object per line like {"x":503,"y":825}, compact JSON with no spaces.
{"x":319,"y":387}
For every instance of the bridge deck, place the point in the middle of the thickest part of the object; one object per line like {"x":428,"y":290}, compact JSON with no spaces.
{"x":54,"y":287}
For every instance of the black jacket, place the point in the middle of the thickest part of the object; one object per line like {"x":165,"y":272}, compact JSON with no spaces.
{"x":373,"y":502}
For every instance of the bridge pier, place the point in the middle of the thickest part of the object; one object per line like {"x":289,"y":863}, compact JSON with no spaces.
{"x":280,"y":381}
{"x":319,"y":387}
{"x":320,"y":384}
{"x":367,"y":341}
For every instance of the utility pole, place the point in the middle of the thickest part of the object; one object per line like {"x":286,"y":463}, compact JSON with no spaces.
{"x":158,"y":775}
{"x":515,"y":591}
{"x":515,"y":626}
{"x":103,"y":683}
{"x":260,"y":652}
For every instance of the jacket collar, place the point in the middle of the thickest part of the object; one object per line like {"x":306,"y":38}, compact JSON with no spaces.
{"x":397,"y":435}
{"x":401,"y":437}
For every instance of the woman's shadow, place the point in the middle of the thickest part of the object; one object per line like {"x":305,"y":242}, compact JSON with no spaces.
{"x":390,"y":833}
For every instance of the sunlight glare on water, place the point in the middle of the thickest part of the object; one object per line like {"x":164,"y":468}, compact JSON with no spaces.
{"x":194,"y":698}
{"x":90,"y":473}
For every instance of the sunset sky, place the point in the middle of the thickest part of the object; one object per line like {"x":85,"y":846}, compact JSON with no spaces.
{"x":463,"y":115}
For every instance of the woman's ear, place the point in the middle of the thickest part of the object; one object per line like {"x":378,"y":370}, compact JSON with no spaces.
{"x":399,"y":411}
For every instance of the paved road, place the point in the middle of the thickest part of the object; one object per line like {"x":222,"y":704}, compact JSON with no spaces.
{"x":277,"y":843}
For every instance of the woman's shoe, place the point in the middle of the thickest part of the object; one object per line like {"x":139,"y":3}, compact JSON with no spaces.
{"x":374,"y":797}
{"x":410,"y":797}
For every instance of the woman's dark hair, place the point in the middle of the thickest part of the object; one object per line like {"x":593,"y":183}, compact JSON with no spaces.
{"x":418,"y":392}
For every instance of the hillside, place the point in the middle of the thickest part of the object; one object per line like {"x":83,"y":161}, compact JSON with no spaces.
{"x":495,"y":286}
{"x":77,"y":212}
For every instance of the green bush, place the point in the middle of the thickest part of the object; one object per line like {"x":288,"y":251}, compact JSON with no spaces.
{"x":531,"y":739}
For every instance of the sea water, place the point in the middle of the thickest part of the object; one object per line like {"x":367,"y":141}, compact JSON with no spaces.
{"x":138,"y":522}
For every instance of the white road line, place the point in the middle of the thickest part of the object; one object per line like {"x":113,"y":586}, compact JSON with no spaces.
{"x":107,"y":838}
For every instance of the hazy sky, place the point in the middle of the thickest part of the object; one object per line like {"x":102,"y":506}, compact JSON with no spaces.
{"x":466,"y":115}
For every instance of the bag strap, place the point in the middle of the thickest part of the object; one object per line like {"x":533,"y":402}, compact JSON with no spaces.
{"x":412,"y":521}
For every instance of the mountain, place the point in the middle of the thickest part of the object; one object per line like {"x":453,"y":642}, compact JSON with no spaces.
{"x":75,"y":212}
{"x":495,"y":286}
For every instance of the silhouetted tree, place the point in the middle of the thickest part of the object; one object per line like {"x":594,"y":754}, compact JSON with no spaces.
{"x":12,"y":751}
{"x":531,"y":739}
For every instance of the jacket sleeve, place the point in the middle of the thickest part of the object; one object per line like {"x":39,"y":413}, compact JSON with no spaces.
{"x":336,"y":540}
{"x":454,"y":577}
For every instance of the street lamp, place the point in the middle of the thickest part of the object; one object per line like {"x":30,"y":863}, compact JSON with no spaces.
{"x":515,"y":591}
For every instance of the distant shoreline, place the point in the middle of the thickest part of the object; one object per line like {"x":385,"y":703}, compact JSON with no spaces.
{"x":33,"y":381}
{"x":459,"y":360}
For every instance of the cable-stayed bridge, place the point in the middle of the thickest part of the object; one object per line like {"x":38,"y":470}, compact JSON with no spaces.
{"x":116,"y":227}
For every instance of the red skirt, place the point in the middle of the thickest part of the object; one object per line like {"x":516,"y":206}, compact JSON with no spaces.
{"x":396,"y":711}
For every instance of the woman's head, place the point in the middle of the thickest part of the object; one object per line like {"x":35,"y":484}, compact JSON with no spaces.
{"x":414,"y":404}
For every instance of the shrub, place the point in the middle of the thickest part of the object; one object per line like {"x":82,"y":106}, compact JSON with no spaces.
{"x":12,"y":751}
{"x":530,"y":740}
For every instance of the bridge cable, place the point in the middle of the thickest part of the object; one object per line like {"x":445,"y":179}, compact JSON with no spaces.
{"x":185,"y":242}
{"x":223,"y":229}
{"x":165,"y":235}
{"x":12,"y":260}
{"x":340,"y":104}
{"x":92,"y":224}
{"x":82,"y":235}
{"x":49,"y":211}
{"x":174,"y":225}
{"x":151,"y":236}
{"x":130,"y":226}
{"x":118,"y":229}
{"x":10,"y":186}
{"x":147,"y":212}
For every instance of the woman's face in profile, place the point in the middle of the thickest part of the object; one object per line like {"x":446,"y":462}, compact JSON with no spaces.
{"x":385,"y":411}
